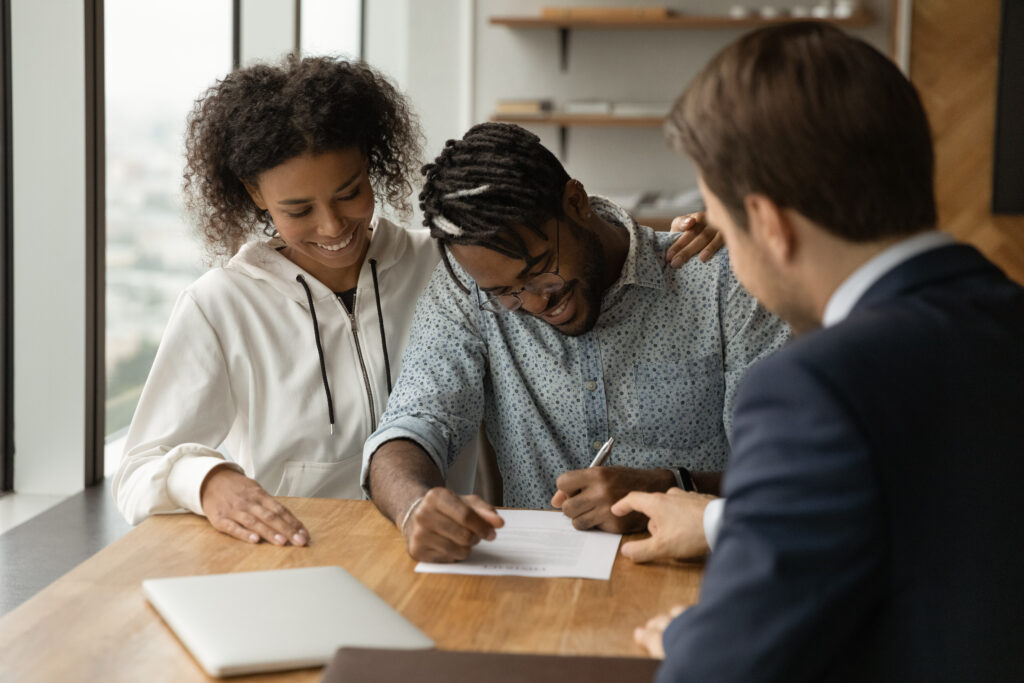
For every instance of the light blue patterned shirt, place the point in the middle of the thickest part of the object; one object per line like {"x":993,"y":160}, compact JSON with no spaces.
{"x":658,"y":372}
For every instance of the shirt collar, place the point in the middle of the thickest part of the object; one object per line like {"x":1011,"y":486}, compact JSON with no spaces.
{"x":642,"y":266}
{"x":853,"y":287}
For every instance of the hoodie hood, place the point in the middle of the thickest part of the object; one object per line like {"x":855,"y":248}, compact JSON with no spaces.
{"x":262,"y":261}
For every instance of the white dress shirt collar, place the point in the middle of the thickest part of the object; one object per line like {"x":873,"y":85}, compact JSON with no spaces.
{"x":853,"y":288}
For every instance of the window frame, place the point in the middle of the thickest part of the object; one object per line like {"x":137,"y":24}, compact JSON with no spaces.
{"x":6,"y":249}
{"x":95,"y":242}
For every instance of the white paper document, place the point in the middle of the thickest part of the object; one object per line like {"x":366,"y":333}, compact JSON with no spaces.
{"x":537,"y":543}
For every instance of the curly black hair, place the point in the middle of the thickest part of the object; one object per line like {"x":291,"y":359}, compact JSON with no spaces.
{"x":261,"y":116}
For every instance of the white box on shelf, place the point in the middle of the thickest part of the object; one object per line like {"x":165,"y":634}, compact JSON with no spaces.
{"x":640,"y":109}
{"x":595,"y":107}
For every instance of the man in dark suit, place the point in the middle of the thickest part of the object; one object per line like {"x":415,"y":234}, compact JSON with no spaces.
{"x":871,"y":498}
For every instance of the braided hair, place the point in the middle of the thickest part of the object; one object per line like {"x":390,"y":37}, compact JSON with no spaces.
{"x":496,"y":177}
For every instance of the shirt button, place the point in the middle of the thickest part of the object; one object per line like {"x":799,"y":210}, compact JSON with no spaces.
{"x":591,"y":385}
{"x":597,"y":445}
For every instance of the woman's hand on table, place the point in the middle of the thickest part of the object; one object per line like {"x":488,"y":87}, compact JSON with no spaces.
{"x":238,"y":506}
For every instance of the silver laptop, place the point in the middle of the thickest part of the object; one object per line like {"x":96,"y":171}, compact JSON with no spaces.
{"x":253,"y":622}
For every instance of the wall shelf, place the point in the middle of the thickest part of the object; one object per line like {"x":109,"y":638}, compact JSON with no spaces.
{"x":677,"y":21}
{"x":681,"y":21}
{"x":582,"y":119}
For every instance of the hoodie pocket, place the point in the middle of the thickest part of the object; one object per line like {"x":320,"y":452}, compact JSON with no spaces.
{"x":322,"y":479}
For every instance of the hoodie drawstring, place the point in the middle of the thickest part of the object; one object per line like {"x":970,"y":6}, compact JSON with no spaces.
{"x":380,"y":319}
{"x":319,"y":350}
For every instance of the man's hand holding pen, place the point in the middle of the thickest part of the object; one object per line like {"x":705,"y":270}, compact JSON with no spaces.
{"x":586,"y":496}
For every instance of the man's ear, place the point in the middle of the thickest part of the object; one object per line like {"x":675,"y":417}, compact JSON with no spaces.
{"x":576,"y":202}
{"x":770,"y":227}
{"x":254,"y":192}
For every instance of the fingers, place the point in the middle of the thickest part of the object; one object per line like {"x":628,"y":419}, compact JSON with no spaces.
{"x":261,"y":523}
{"x":583,"y":513}
{"x":234,"y":529}
{"x":635,"y":501}
{"x":593,"y":490}
{"x":280,"y":521}
{"x":486,"y":511}
{"x":695,"y":238}
{"x":713,"y":247}
{"x":649,"y":635}
{"x":457,"y":522}
{"x":575,"y":503}
{"x":572,"y":481}
{"x":238,"y":506}
{"x":642,"y":551}
{"x":568,"y":485}
{"x":582,"y":501}
{"x":688,"y":245}
{"x":684,"y":223}
{"x":445,"y":527}
{"x":683,"y":241}
{"x":588,"y":511}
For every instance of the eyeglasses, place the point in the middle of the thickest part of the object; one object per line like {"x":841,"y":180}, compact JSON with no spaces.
{"x":544,"y":284}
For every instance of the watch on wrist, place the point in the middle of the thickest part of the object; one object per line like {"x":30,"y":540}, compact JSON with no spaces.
{"x":684,"y":479}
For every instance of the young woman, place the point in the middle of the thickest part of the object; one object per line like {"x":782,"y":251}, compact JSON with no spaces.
{"x":285,"y":355}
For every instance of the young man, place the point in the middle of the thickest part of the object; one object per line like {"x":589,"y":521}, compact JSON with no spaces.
{"x":561,"y":325}
{"x":873,"y":490}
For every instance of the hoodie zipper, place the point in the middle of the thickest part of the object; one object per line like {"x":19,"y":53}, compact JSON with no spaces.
{"x":362,"y":364}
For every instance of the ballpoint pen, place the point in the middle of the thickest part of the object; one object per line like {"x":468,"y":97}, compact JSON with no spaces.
{"x":602,"y":454}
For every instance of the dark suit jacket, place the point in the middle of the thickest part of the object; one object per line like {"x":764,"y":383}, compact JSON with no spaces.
{"x":871,"y":528}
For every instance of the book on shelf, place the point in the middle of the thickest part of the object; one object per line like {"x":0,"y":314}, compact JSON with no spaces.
{"x":595,"y":107}
{"x":606,"y":13}
{"x":534,"y":107}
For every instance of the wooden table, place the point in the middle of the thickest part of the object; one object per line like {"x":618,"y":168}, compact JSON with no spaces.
{"x":95,"y":624}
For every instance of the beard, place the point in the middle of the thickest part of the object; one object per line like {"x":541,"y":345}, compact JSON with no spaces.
{"x":588,"y":286}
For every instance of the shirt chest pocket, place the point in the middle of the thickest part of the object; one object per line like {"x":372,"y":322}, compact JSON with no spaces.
{"x":680,"y":403}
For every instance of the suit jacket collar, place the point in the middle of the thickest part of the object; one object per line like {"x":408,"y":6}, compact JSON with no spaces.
{"x":931,"y":267}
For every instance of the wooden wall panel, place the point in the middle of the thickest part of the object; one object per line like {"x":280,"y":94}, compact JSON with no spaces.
{"x":953,"y":63}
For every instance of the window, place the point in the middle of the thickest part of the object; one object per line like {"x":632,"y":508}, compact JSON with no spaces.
{"x":160,"y":56}
{"x":331,"y":27}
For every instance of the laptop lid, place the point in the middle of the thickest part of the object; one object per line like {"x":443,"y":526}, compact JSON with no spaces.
{"x":254,"y":622}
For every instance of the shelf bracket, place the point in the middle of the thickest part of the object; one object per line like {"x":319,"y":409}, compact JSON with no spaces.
{"x":563,"y":142}
{"x":563,"y":35}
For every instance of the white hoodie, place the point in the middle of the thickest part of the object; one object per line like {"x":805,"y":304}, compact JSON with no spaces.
{"x":238,"y":365}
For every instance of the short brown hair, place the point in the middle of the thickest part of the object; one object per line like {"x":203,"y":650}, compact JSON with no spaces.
{"x":818,"y":121}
